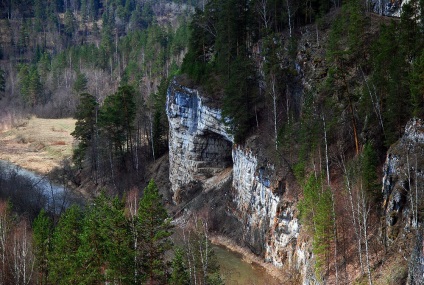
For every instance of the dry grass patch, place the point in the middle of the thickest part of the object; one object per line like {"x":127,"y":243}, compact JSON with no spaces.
{"x":38,"y":144}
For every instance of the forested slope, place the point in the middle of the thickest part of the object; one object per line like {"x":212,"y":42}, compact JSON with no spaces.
{"x":318,"y":88}
{"x":326,"y":87}
{"x":54,"y":51}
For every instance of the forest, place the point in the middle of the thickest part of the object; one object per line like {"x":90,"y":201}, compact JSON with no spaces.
{"x":327,"y":86}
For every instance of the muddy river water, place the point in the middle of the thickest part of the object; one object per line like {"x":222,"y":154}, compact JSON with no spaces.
{"x":236,"y":271}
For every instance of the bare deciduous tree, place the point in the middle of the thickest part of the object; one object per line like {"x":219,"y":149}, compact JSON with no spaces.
{"x":5,"y":228}
{"x":263,"y":11}
{"x":22,"y":254}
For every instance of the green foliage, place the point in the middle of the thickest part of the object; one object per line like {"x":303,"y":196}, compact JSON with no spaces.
{"x":180,"y":38}
{"x":30,"y":84}
{"x":222,"y":45}
{"x":116,"y":118}
{"x":64,"y":262}
{"x":369,"y":163}
{"x":308,"y":203}
{"x":85,"y":126}
{"x":160,"y":120}
{"x":42,"y":237}
{"x":410,"y":37}
{"x":396,"y":71}
{"x":154,"y":227}
{"x":323,"y":220}
{"x":97,"y":244}
{"x":317,"y":216}
{"x":179,"y":275}
{"x":240,"y":98}
{"x":390,"y":77}
{"x":80,"y":83}
{"x":69,"y":23}
{"x":308,"y":136}
{"x":299,"y":170}
{"x":417,"y":86}
{"x":44,"y":65}
{"x":105,"y":252}
{"x":200,"y":44}
{"x":356,"y":26}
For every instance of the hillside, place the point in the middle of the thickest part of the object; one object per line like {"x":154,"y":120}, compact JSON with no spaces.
{"x":290,"y":130}
{"x":310,"y":115}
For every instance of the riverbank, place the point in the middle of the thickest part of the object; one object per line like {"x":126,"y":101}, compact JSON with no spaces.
{"x":279,"y":275}
{"x":38,"y":144}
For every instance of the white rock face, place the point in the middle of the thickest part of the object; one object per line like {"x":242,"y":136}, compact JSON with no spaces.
{"x":199,"y":143}
{"x":403,"y":194}
{"x":388,"y":7}
{"x":200,"y":146}
{"x":268,"y":220}
{"x":403,"y":176}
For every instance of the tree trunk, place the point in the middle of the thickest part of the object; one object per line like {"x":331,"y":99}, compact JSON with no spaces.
{"x":326,"y":152}
{"x":274,"y":102}
{"x":365,"y":214}
{"x":289,"y":14}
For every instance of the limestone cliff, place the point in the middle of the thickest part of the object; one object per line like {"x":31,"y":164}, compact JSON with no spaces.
{"x":403,"y":175}
{"x":388,"y":7}
{"x":199,"y":144}
{"x":200,"y":148}
{"x":269,"y":221}
{"x":402,"y":207}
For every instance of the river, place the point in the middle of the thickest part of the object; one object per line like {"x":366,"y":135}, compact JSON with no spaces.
{"x":236,"y":271}
{"x":33,"y":187}
{"x":56,"y":198}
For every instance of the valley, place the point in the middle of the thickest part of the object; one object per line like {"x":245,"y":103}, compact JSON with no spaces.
{"x":211,"y":142}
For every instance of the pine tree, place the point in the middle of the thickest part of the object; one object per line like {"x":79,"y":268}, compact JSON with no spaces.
{"x":390,"y":76}
{"x":410,"y":37}
{"x":80,"y":83}
{"x":42,"y":236}
{"x":64,"y":264}
{"x":117,"y":116}
{"x":240,"y":98}
{"x":323,"y":234}
{"x":154,"y":232}
{"x":179,"y":275}
{"x":307,"y":205}
{"x":30,"y":84}
{"x":117,"y":239}
{"x":160,"y":120}
{"x":369,"y":162}
{"x":105,"y":253}
{"x":39,"y":13}
{"x":417,"y":86}
{"x":70,"y":24}
{"x":317,"y":216}
{"x":85,"y":127}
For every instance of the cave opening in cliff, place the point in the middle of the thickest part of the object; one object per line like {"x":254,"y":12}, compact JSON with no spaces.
{"x":216,"y":151}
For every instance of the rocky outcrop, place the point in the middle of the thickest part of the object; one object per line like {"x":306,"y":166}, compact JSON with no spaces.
{"x":403,"y":176}
{"x":199,"y":144}
{"x":388,"y":7}
{"x":403,"y":196}
{"x":270,"y":225}
{"x":200,"y":148}
{"x":416,"y":263}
